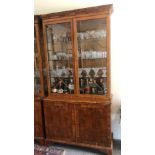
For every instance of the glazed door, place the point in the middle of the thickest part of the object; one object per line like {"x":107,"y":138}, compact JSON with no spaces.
{"x":93,"y":55}
{"x":93,"y":124}
{"x":38,"y":79}
{"x":59,"y":121}
{"x":59,"y":57}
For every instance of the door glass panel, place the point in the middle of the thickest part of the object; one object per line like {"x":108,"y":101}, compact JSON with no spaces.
{"x":92,"y":56}
{"x":36,"y":68}
{"x":59,"y":46}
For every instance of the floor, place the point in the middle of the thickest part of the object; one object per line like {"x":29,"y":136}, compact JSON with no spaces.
{"x":70,"y":150}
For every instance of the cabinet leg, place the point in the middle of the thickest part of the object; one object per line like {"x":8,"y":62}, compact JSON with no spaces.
{"x":40,"y":141}
{"x":106,"y":151}
{"x":48,"y":143}
{"x":109,"y":152}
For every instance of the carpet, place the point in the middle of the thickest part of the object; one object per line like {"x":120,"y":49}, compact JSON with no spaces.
{"x":50,"y":150}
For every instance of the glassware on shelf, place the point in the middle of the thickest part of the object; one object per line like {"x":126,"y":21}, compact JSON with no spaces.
{"x":64,"y":73}
{"x":104,"y":72}
{"x":92,"y":34}
{"x":59,"y":46}
{"x":71,"y":86}
{"x":94,"y":54}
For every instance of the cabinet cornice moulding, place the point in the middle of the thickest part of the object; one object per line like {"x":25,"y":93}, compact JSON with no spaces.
{"x":104,"y":9}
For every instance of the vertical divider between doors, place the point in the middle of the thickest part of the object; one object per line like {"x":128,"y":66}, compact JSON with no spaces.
{"x":75,"y":55}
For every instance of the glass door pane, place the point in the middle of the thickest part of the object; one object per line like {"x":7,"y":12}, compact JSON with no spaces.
{"x":36,"y":67}
{"x":92,"y":56}
{"x":59,"y":47}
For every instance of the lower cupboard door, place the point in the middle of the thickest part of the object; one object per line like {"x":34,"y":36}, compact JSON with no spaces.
{"x":59,"y":124}
{"x":93,"y":124}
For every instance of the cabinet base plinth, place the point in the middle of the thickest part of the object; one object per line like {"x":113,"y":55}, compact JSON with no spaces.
{"x":39,"y":140}
{"x":102,"y":149}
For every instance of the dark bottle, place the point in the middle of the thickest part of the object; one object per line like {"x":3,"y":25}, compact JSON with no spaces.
{"x":94,"y":87}
{"x":101,"y":88}
{"x":87,"y":87}
{"x":65,"y":87}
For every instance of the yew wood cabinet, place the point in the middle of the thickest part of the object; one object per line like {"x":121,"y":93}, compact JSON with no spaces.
{"x":77,"y":109}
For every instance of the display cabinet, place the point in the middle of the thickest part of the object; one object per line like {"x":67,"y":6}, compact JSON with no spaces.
{"x":77,"y":54}
{"x":38,"y":84}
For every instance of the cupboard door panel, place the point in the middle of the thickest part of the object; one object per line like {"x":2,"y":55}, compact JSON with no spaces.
{"x":93,"y":124}
{"x":58,"y":120}
{"x":38,"y":126}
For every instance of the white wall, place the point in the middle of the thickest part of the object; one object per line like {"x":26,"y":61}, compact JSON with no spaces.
{"x":48,"y":6}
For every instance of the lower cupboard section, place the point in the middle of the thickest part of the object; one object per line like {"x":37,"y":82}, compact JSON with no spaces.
{"x":79,"y":123}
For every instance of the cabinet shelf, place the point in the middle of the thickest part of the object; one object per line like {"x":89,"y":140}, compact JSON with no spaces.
{"x":79,"y":59}
{"x":58,"y":60}
{"x":92,"y":39}
{"x":92,"y":58}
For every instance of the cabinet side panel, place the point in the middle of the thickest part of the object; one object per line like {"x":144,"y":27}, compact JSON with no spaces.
{"x":38,"y":126}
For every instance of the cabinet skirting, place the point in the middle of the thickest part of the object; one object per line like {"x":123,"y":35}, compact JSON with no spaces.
{"x":107,"y":150}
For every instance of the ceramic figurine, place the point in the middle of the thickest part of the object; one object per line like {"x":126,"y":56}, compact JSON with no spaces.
{"x":92,"y":73}
{"x":70,"y":73}
{"x":84,"y":73}
{"x":100,"y":72}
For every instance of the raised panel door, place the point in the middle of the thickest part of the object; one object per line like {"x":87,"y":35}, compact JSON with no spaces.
{"x":59,"y":122}
{"x":93,"y":124}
